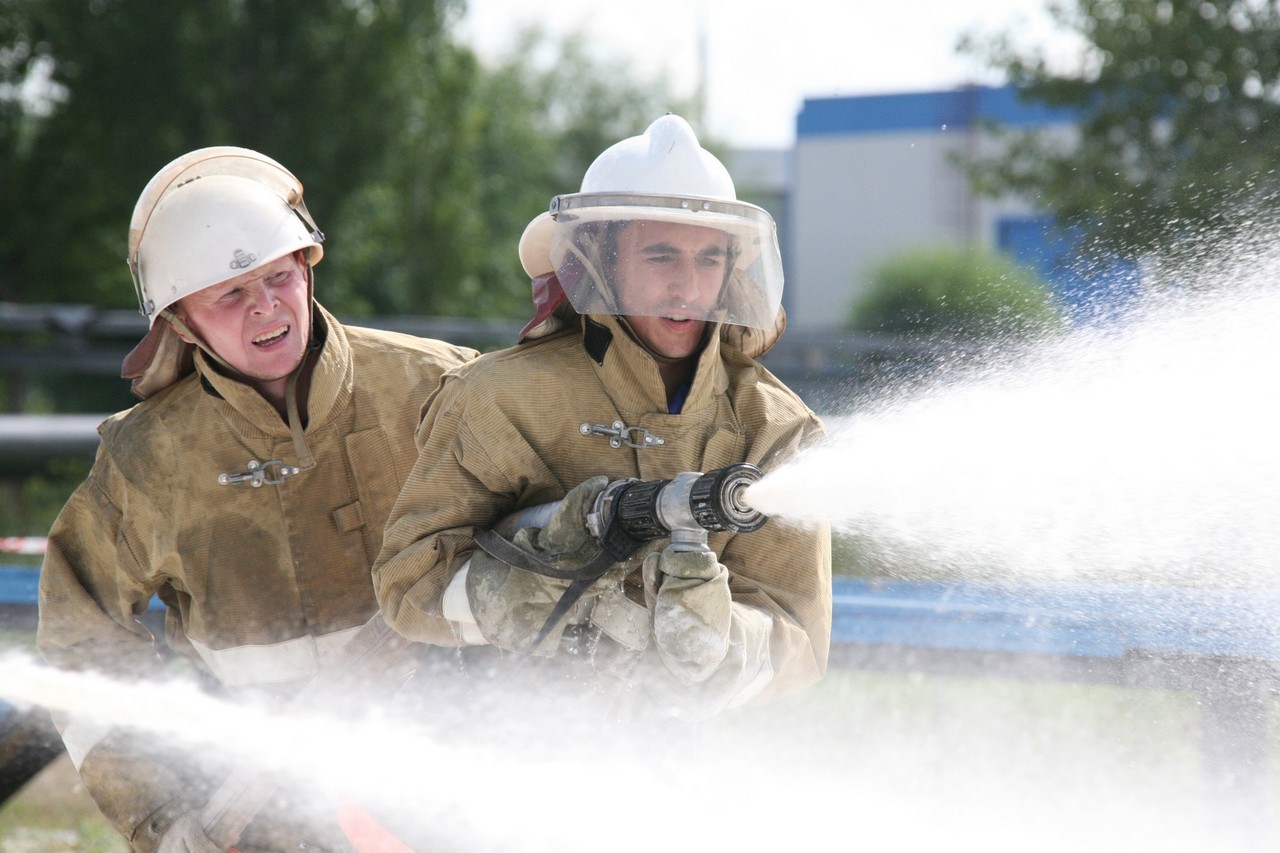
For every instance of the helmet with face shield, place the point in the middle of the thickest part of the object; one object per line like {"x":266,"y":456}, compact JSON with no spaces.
{"x":657,"y":230}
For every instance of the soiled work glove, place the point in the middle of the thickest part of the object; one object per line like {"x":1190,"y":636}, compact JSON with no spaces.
{"x":511,"y":604}
{"x":688,"y":592}
{"x":186,"y":835}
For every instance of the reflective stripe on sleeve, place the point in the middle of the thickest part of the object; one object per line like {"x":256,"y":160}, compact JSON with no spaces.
{"x":81,"y":735}
{"x":247,"y":666}
{"x":757,"y":671}
{"x":457,"y":609}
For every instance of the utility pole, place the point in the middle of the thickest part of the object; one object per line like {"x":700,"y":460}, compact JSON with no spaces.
{"x":700,"y":93}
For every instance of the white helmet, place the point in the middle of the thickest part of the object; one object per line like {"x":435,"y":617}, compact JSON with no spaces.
{"x":211,"y":215}
{"x":665,"y":176}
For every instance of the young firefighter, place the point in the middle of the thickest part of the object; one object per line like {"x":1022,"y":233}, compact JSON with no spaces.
{"x":248,"y":489}
{"x":656,"y":290}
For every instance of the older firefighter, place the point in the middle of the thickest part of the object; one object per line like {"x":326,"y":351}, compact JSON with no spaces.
{"x":656,"y":290}
{"x":248,"y":489}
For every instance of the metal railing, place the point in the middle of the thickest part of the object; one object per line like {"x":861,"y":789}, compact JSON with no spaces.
{"x":828,"y":368}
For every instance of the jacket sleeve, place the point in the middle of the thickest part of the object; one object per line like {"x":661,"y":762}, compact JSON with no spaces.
{"x":91,"y":594}
{"x":784,"y":569}
{"x":787,"y":575}
{"x":453,"y":490}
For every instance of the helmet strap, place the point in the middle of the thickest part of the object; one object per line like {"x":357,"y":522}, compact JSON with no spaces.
{"x":305,"y":459}
{"x":171,"y":316}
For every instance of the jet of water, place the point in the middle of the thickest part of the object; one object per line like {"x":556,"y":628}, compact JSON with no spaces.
{"x":747,"y":788}
{"x":1145,"y":451}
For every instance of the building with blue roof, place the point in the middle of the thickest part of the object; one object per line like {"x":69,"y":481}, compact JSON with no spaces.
{"x":872,"y":176}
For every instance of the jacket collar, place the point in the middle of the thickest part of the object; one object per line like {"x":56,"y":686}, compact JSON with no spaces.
{"x":331,"y":380}
{"x":630,"y":376}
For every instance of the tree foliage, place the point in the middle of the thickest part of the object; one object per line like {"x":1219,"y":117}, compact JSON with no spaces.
{"x":138,"y":83}
{"x":954,"y":291}
{"x":1178,"y":109}
{"x":437,"y":233}
{"x":421,"y":164}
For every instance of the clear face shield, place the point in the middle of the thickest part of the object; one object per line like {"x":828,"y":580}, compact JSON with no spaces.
{"x":667,"y":256}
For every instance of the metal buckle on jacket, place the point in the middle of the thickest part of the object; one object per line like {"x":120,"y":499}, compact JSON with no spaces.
{"x":260,"y":473}
{"x":620,"y":434}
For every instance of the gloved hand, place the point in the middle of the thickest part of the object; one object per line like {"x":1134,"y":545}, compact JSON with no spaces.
{"x":186,"y":835}
{"x":688,"y":593}
{"x":510,"y":605}
{"x":566,"y":541}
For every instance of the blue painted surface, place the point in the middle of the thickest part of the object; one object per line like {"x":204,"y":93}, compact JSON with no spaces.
{"x":1085,"y":620}
{"x":1103,"y":288}
{"x":956,"y":109}
{"x":21,"y":585}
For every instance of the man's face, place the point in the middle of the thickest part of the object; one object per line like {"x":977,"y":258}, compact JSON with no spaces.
{"x":668,"y":278}
{"x":259,"y":322}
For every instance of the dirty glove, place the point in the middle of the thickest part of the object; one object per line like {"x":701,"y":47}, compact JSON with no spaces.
{"x":186,"y":835}
{"x":689,"y":596}
{"x":710,"y":652}
{"x":510,"y":604}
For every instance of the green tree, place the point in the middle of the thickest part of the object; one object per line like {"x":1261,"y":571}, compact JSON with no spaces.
{"x":421,"y":164}
{"x":438,"y":233}
{"x":1178,"y":118}
{"x":954,"y":291}
{"x":137,"y":83}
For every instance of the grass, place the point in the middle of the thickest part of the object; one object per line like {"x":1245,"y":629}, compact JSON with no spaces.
{"x":55,"y":814}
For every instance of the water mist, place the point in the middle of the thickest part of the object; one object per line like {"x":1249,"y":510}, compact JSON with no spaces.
{"x":1142,"y":451}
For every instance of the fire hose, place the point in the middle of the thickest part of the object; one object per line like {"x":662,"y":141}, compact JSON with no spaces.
{"x":626,"y":514}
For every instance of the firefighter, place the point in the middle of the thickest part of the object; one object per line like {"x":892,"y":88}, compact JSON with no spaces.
{"x":248,"y":489}
{"x":656,"y":290}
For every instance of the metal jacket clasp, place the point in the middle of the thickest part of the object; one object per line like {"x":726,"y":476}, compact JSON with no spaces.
{"x":271,"y":473}
{"x":619,"y":434}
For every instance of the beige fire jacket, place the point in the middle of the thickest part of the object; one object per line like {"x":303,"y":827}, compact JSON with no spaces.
{"x":513,"y":429}
{"x":262,"y":584}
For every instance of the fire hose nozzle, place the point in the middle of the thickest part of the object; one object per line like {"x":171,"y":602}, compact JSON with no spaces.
{"x":630,"y":512}
{"x":686,"y":507}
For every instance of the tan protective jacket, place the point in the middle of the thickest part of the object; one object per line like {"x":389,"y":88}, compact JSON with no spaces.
{"x":262,"y":584}
{"x":506,"y":432}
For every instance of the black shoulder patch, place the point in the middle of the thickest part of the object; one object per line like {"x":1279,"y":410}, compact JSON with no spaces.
{"x":596,"y":340}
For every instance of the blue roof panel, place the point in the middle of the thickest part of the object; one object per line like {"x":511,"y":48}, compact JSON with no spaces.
{"x":953,"y":109}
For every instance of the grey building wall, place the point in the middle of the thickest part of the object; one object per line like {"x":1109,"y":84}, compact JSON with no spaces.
{"x":875,"y":175}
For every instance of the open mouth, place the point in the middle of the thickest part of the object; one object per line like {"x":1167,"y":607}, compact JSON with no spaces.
{"x":678,"y":314}
{"x":271,"y":337}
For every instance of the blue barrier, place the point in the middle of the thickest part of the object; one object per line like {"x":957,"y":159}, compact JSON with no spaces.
{"x":20,"y":585}
{"x":1067,"y":619}
{"x":1063,"y":619}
